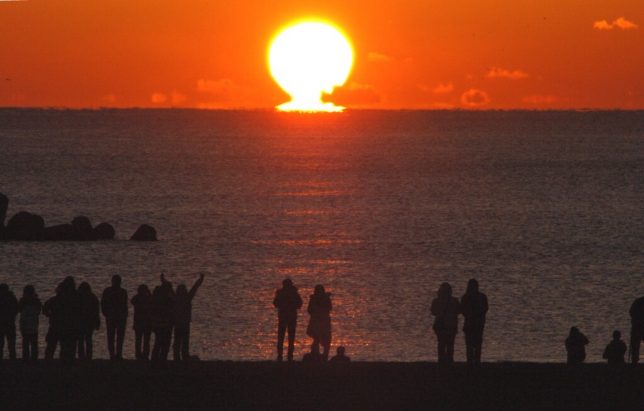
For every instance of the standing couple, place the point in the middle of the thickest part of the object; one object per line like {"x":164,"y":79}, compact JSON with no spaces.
{"x":445,"y":308}
{"x":287,"y":301}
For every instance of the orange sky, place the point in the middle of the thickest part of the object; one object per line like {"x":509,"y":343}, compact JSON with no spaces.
{"x":409,"y":53}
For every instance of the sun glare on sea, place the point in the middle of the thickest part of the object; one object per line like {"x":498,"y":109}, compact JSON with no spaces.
{"x":308,"y":59}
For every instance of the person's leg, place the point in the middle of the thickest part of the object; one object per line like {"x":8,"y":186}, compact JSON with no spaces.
{"x":110,"y":327}
{"x":89,"y":342}
{"x":138,"y":340}
{"x":185,"y":348}
{"x":291,"y":339}
{"x":2,"y":338}
{"x":11,"y":341}
{"x":441,"y":347}
{"x":166,"y":339}
{"x":469,"y":347}
{"x":51,"y":340}
{"x":120,"y":337}
{"x":156,"y":348}
{"x":635,"y":346}
{"x":176,"y":347}
{"x":450,"y":347}
{"x":81,"y":346}
{"x":25,"y":347}
{"x":34,"y":346}
{"x":281,"y":330}
{"x":146,"y":344}
{"x":478,"y":347}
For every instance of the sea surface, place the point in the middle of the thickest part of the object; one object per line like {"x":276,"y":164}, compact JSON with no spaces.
{"x":545,"y":209}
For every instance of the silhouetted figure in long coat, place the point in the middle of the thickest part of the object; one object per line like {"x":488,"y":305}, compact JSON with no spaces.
{"x":163,"y":299}
{"x":446,"y":309}
{"x":576,"y":346}
{"x":51,"y":311}
{"x":114,"y":307}
{"x":320,"y":322}
{"x":8,"y":313}
{"x":68,"y":307}
{"x":637,"y":328}
{"x":287,"y":301}
{"x":182,"y":319}
{"x":29,"y":307}
{"x":142,"y":303}
{"x":615,"y":350}
{"x":474,"y":308}
{"x":90,"y":321}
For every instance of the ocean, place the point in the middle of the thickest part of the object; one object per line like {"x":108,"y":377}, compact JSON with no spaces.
{"x":545,"y":209}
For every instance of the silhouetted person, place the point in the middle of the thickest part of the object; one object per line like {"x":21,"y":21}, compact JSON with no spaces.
{"x":320,"y":322}
{"x":576,"y":346}
{"x":340,"y":356}
{"x":474,"y":308}
{"x":68,"y":307}
{"x":163,"y":299}
{"x":114,"y":307}
{"x":637,"y":328}
{"x":29,"y":307}
{"x":182,"y":319}
{"x":312,"y":357}
{"x":287,"y":301}
{"x":89,"y":321}
{"x":615,"y":350}
{"x":142,"y":303}
{"x":8,"y":312}
{"x":446,"y":309}
{"x":51,"y":311}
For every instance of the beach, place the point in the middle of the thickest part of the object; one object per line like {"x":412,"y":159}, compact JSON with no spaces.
{"x":129,"y":385}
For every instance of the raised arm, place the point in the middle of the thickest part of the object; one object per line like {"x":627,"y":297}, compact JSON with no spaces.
{"x":195,"y":287}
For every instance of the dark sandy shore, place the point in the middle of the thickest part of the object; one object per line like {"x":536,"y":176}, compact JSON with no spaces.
{"x":129,"y":385}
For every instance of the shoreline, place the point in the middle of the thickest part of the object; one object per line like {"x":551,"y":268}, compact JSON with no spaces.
{"x":130,"y":384}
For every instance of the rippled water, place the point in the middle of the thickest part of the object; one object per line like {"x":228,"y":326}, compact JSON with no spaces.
{"x":545,"y":209}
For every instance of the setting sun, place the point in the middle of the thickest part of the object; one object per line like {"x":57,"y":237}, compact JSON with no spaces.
{"x":308,"y":59}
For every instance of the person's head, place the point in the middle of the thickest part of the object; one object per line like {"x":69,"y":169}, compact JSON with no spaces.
{"x":68,"y":284}
{"x":617,"y":335}
{"x":287,"y":283}
{"x":472,"y":286}
{"x":4,"y":288}
{"x":143,"y":290}
{"x":29,"y":291}
{"x":445,"y":291}
{"x":116,"y":281}
{"x":340,"y":351}
{"x":84,"y":288}
{"x":319,"y":290}
{"x":574,"y":331}
{"x":182,"y":291}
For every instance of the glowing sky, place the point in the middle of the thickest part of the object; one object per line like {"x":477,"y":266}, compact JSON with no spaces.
{"x":409,"y":53}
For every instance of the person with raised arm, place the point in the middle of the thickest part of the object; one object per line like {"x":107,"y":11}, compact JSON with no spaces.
{"x":182,"y":319}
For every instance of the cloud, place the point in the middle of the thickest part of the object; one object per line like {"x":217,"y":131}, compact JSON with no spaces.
{"x":540,"y":99}
{"x":109,"y":98}
{"x":443,"y":88}
{"x":158,"y":98}
{"x":355,"y":94}
{"x":376,"y":57}
{"x":497,"y":72}
{"x":474,"y":98}
{"x":619,"y":23}
{"x":177,"y":98}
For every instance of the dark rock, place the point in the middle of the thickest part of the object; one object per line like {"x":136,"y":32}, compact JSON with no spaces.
{"x":145,"y":233}
{"x":83,"y":230}
{"x":25,"y":226}
{"x":4,"y":204}
{"x":104,"y":231}
{"x":62,"y":232}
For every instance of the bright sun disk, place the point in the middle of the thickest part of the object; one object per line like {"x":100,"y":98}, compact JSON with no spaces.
{"x":307,"y":59}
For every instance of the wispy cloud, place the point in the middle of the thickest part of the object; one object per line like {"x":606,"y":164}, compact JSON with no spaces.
{"x":497,"y":72}
{"x":538,"y":99}
{"x":376,"y":57}
{"x":474,"y":98}
{"x":619,"y":23}
{"x":158,"y":98}
{"x":356,"y":95}
{"x":443,"y":88}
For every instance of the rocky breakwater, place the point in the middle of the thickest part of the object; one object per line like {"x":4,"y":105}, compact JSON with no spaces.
{"x":26,"y":226}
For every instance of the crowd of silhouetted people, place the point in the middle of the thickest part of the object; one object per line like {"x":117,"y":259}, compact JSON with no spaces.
{"x":166,"y":313}
{"x":74,"y":315}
